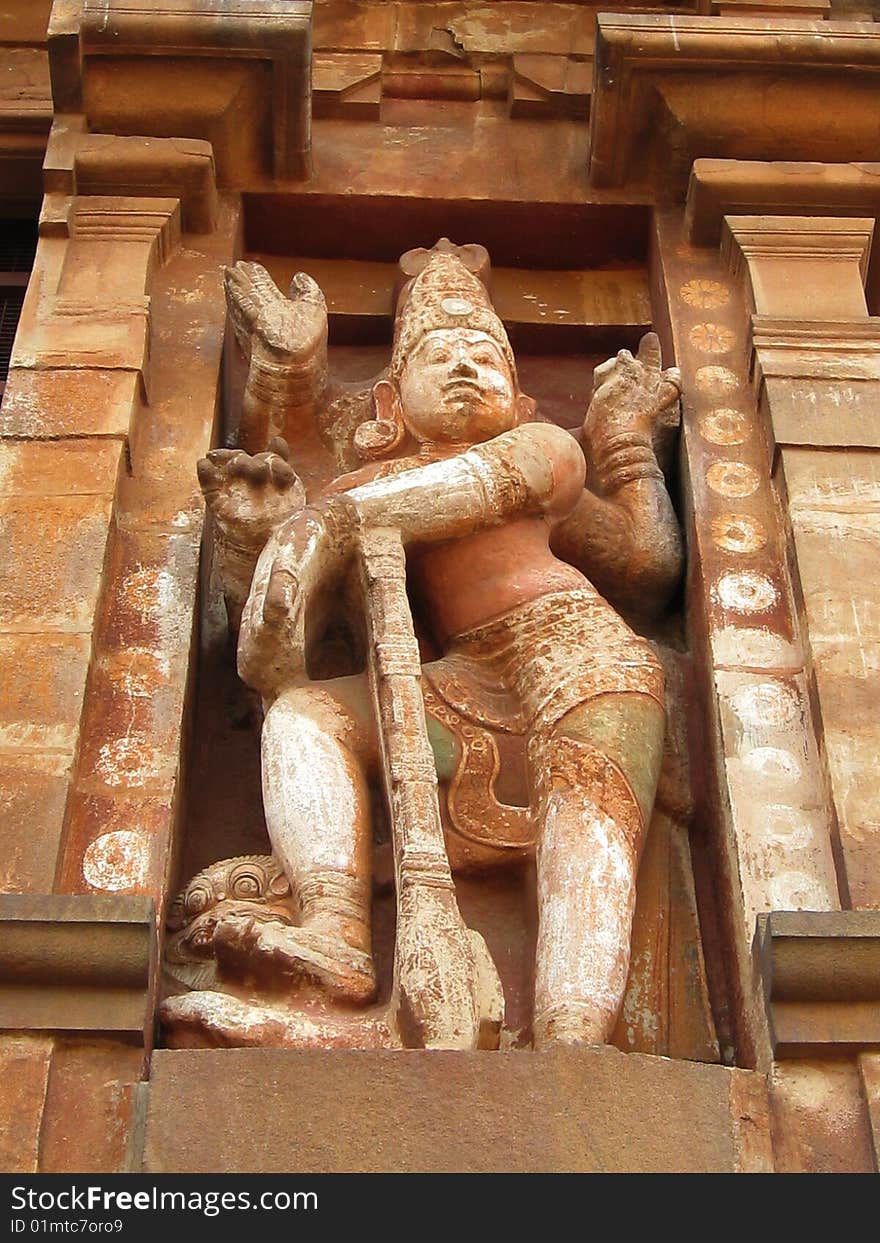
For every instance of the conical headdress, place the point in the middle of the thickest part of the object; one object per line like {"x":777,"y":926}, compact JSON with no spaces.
{"x":445,"y":295}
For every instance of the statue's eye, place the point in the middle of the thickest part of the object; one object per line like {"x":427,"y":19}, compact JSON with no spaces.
{"x":198,"y":898}
{"x":438,"y":356}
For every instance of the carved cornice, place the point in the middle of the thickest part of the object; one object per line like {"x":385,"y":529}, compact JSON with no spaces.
{"x":657,"y":78}
{"x":239,"y":33}
{"x":73,"y":318}
{"x":80,"y":963}
{"x":776,"y":188}
{"x":839,"y":351}
{"x":821,"y":973}
{"x":801,"y":267}
{"x":796,"y":237}
{"x":106,"y":164}
{"x":25,"y":118}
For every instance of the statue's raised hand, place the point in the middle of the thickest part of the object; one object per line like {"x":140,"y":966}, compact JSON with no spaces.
{"x":290,"y":330}
{"x":630,"y":394}
{"x":248,"y":495}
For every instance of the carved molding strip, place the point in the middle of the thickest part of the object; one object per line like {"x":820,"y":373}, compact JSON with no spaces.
{"x":276,"y":32}
{"x":76,"y":963}
{"x":776,"y":188}
{"x":78,"y":163}
{"x":761,"y":727}
{"x":642,"y":57}
{"x":821,"y":973}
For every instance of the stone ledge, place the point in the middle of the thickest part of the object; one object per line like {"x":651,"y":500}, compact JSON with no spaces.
{"x":821,"y":972}
{"x":76,"y":963}
{"x":563,"y":1110}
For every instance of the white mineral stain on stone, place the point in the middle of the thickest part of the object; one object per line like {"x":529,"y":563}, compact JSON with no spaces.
{"x":745,"y":592}
{"x":773,"y":762}
{"x":789,"y":826}
{"x":753,"y":647}
{"x":34,"y":736}
{"x":116,"y":861}
{"x":732,"y":479}
{"x":769,"y":704}
{"x":738,"y":533}
{"x":138,"y":671}
{"x":724,"y":426}
{"x":712,"y":338}
{"x":582,"y":951}
{"x":715,"y":380}
{"x":798,"y":891}
{"x":128,"y":761}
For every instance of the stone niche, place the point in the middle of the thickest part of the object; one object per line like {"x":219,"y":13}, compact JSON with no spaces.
{"x":568,"y":297}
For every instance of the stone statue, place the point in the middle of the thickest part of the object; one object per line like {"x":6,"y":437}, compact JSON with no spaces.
{"x":450,"y":504}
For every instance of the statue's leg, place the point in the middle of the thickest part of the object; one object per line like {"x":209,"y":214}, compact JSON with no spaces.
{"x":595,"y":777}
{"x":317,"y":749}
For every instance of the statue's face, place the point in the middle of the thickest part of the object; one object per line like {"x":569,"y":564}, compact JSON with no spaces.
{"x":457,"y":386}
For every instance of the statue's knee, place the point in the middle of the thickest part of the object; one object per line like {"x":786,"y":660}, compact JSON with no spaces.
{"x":612,"y":742}
{"x":315,"y":708}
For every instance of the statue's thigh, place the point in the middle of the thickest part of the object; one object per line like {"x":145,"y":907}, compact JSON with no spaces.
{"x":625,"y":727}
{"x":341,"y":708}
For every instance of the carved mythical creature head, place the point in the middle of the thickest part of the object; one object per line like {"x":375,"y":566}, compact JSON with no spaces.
{"x":453,"y":375}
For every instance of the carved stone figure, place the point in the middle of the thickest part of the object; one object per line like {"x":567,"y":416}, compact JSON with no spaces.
{"x":429,"y":614}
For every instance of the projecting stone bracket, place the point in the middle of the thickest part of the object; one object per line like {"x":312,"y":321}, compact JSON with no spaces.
{"x":77,"y":963}
{"x":821,"y":974}
{"x":79,"y":163}
{"x":656,"y":104}
{"x":224,"y":71}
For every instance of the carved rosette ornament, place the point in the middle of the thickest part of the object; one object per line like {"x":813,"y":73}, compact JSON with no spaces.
{"x":508,"y":539}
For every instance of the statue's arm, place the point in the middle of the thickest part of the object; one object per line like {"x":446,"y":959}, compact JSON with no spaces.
{"x":536,"y":469}
{"x":623,"y":532}
{"x":284,"y":340}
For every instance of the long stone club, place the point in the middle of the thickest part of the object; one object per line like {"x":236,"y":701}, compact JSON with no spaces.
{"x":446,"y":990}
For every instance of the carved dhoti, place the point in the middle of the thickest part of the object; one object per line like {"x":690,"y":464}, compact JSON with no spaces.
{"x":518,"y":676}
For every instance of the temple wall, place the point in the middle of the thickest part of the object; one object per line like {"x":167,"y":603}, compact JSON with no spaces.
{"x":589,"y":156}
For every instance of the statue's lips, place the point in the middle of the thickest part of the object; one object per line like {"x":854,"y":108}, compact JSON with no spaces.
{"x":465,"y":388}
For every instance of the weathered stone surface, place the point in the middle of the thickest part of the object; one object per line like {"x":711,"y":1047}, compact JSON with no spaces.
{"x":67,"y":468}
{"x":123,"y":807}
{"x":90,"y":402}
{"x":819,"y":1118}
{"x":76,"y":963}
{"x":253,"y":108}
{"x":584,"y":1110}
{"x":24,"y":1073}
{"x":91,"y":1103}
{"x":825,"y":75}
{"x":51,"y":557}
{"x":43,"y":678}
{"x":834,"y":501}
{"x":33,"y":794}
{"x":775,"y":817}
{"x":822,"y":981}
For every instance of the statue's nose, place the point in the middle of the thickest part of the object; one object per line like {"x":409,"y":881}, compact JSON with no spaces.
{"x":463,"y":367}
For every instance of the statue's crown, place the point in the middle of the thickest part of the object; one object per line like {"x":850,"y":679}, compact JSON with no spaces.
{"x":445,"y":295}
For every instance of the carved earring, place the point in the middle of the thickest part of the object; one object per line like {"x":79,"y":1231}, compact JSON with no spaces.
{"x":380,"y":436}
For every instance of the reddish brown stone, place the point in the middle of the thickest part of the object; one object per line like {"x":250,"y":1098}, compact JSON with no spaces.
{"x":49,"y":404}
{"x":33,"y":794}
{"x":90,"y":1107}
{"x":24,"y":1073}
{"x":51,"y":561}
{"x":574,"y":1110}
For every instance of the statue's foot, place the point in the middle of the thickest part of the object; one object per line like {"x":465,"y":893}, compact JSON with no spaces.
{"x":216,"y":1020}
{"x":572,"y":1023}
{"x":345,"y":973}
